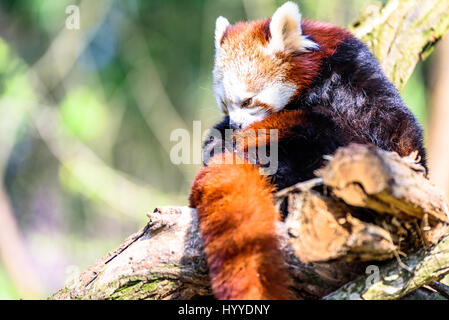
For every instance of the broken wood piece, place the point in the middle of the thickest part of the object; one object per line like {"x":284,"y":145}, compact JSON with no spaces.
{"x":323,"y":229}
{"x":367,"y":177}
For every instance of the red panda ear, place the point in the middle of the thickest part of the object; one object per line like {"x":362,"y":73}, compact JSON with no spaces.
{"x":286,"y":31}
{"x":220,"y":28}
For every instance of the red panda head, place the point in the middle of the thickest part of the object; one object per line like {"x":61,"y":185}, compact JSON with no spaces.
{"x":252,"y":74}
{"x":260,"y":66}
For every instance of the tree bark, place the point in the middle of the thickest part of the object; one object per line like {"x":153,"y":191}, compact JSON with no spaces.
{"x":377,"y":205}
{"x":327,"y":240}
{"x":423,"y":267}
{"x":401,"y":33}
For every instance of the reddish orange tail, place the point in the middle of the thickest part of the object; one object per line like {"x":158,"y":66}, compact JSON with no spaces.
{"x":237,"y":219}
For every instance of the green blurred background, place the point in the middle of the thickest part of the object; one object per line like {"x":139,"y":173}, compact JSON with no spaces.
{"x":86,"y":116}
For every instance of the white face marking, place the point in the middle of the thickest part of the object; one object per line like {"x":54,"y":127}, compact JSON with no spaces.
{"x":230,"y":92}
{"x":244,"y":117}
{"x":244,"y":64}
{"x":277,"y":95}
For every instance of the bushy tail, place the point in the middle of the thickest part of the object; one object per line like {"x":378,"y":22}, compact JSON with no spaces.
{"x":237,"y":219}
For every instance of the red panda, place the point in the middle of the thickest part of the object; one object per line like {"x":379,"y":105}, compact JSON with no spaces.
{"x":321,"y":88}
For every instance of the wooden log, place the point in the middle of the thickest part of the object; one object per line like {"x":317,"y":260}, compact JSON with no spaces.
{"x":326,"y":242}
{"x":394,"y":282}
{"x":323,"y":229}
{"x":367,"y":177}
{"x":165,"y":260}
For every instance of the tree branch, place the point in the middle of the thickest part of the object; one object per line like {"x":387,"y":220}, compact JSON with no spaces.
{"x":401,"y":33}
{"x":423,"y":267}
{"x":326,"y":241}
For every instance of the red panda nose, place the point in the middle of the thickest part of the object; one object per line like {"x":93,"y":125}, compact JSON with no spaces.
{"x":234,"y":125}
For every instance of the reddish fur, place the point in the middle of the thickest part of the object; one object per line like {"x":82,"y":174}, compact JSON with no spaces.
{"x":305,"y":67}
{"x":237,"y":218}
{"x":302,"y":69}
{"x":235,"y":203}
{"x":283,"y":121}
{"x":260,"y":30}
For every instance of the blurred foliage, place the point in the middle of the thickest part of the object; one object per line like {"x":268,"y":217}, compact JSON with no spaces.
{"x":120,"y":112}
{"x":80,"y":112}
{"x":415,"y":93}
{"x":7,"y":289}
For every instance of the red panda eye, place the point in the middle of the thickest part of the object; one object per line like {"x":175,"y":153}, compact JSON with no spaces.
{"x":246,"y":102}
